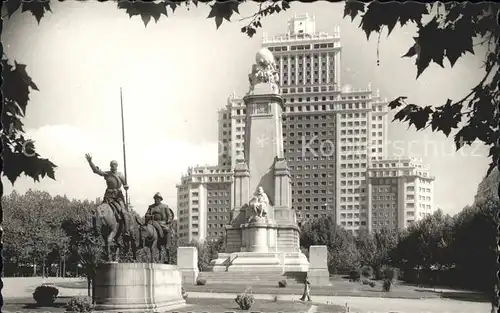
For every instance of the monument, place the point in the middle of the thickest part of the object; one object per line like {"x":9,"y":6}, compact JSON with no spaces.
{"x":263,"y":235}
{"x":131,"y":287}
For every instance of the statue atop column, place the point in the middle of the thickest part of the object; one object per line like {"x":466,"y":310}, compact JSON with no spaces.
{"x":259,"y":204}
{"x":264,"y":70}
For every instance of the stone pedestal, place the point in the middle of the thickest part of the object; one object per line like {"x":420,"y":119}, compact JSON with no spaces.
{"x":187,"y":263}
{"x":318,"y":274}
{"x":138,"y":287}
{"x":259,"y":236}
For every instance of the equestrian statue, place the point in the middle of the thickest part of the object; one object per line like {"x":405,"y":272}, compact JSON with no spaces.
{"x":112,"y":216}
{"x":154,"y":231}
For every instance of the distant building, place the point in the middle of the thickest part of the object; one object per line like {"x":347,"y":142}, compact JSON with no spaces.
{"x":400,"y":192}
{"x":488,"y":188}
{"x":203,"y":203}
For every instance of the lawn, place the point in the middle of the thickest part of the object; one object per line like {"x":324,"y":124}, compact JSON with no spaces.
{"x":339,"y":287}
{"x":29,"y":305}
{"x":229,"y":305}
{"x":345,"y":289}
{"x":194,"y":305}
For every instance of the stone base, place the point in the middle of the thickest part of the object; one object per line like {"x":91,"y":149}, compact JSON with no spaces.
{"x":190,"y":276}
{"x":187,"y":264}
{"x":319,"y":277}
{"x":138,"y":287}
{"x":274,"y":262}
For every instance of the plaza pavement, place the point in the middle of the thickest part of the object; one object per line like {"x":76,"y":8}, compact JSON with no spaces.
{"x":21,"y":287}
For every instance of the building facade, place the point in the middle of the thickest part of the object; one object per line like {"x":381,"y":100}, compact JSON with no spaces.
{"x":400,"y":192}
{"x":331,"y":133}
{"x":203,"y":203}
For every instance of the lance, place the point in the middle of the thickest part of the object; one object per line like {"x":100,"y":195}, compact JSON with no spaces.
{"x":124,"y":154}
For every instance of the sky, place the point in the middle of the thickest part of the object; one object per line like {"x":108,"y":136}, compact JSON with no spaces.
{"x":177,"y":73}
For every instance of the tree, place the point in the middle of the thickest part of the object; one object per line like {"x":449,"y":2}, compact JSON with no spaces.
{"x":474,"y":244}
{"x":37,"y":227}
{"x":90,"y":252}
{"x":367,"y":248}
{"x":342,"y":251}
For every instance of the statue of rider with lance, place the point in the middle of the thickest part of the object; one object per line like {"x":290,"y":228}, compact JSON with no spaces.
{"x":113,"y":195}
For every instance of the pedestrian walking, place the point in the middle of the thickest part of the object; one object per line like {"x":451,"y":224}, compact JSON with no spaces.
{"x":307,"y":291}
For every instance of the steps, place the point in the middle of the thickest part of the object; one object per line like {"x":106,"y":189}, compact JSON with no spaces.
{"x":252,"y":278}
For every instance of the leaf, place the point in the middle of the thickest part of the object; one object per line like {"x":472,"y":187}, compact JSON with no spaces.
{"x":446,"y":117}
{"x":223,"y":10}
{"x":249,"y":30}
{"x":414,"y":115}
{"x":412,"y":12}
{"x":173,"y":5}
{"x":399,"y":101}
{"x":17,"y":84}
{"x":466,"y":135}
{"x":376,"y":17}
{"x":411,"y":52}
{"x":146,"y":10}
{"x":22,"y":158}
{"x":285,"y":5}
{"x":430,"y":41}
{"x":12,"y":6}
{"x":458,"y":40}
{"x":37,"y":8}
{"x":387,"y":14}
{"x":352,"y":8}
{"x":404,"y":113}
{"x":420,"y":117}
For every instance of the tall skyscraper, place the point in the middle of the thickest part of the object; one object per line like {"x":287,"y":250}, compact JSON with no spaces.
{"x":331,"y":133}
{"x":400,"y":192}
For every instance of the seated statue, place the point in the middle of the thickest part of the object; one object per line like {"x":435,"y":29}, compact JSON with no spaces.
{"x":259,"y":203}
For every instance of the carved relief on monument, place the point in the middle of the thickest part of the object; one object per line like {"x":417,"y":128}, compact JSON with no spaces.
{"x":261,"y":108}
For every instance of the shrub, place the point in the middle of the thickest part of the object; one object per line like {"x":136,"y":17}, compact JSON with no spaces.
{"x":201,"y":281}
{"x":372,"y":284}
{"x":45,"y":295}
{"x":386,"y":286}
{"x":367,"y":271}
{"x":354,"y":276}
{"x":244,"y":301}
{"x":184,"y":293}
{"x":282,"y":283}
{"x":365,"y":282}
{"x":80,"y":304}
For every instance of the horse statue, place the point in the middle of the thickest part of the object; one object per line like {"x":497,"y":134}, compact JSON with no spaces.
{"x":149,"y":237}
{"x":111,"y":230}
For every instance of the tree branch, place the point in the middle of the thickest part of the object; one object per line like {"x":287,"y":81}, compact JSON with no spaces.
{"x":254,"y":15}
{"x":460,"y":102}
